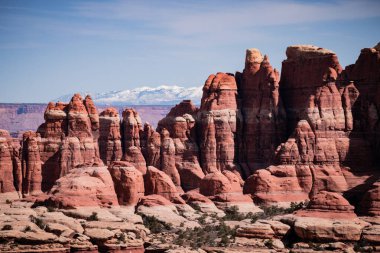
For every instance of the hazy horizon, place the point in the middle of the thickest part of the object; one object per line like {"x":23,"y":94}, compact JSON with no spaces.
{"x":52,"y":48}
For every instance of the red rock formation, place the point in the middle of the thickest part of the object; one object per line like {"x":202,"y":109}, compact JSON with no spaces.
{"x":69,"y":138}
{"x":179,"y":150}
{"x":216,"y":183}
{"x":280,"y":185}
{"x":7,"y":165}
{"x":131,"y":127}
{"x":330,"y":145}
{"x":179,"y":121}
{"x":151,"y":145}
{"x":128,"y":182}
{"x":193,"y":196}
{"x":92,"y":113}
{"x":55,"y":120}
{"x":109,"y":136}
{"x":79,"y":122}
{"x":52,"y":132}
{"x":322,"y":121}
{"x":365,"y":74}
{"x":83,"y":123}
{"x":218,"y":118}
{"x":84,"y":187}
{"x":330,"y":205}
{"x":370,"y":203}
{"x":263,"y":112}
{"x":154,"y":200}
{"x":306,"y":70}
{"x":31,"y":167}
{"x":17,"y":167}
{"x":158,"y":182}
{"x":168,"y":157}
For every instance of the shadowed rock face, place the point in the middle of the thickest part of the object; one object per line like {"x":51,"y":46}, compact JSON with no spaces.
{"x":32,"y":174}
{"x":10,"y":165}
{"x":365,"y":74}
{"x":263,"y":112}
{"x":319,"y":100}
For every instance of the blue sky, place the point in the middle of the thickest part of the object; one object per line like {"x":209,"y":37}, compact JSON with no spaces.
{"x":52,"y":48}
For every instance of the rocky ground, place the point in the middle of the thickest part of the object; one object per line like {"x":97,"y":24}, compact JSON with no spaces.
{"x":26,"y":227}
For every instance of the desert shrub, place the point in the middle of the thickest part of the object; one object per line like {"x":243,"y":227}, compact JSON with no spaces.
{"x":202,"y":219}
{"x":232,"y":213}
{"x":154,"y":225}
{"x":7,"y":227}
{"x":206,"y":236}
{"x":8,"y":201}
{"x":51,"y":209}
{"x":271,"y":211}
{"x":362,"y":246}
{"x":269,"y":244}
{"x":121,"y":238}
{"x":195,"y":206}
{"x":93,"y":217}
{"x":294,"y":206}
{"x":27,"y":229}
{"x":38,"y":221}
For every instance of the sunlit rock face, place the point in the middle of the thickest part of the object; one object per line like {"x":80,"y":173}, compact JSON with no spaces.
{"x":218,"y":123}
{"x":131,"y":128}
{"x":179,"y":147}
{"x":109,"y":136}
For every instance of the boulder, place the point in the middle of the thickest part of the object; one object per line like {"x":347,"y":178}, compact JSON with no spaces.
{"x":84,"y":187}
{"x":128,"y":182}
{"x":158,"y":182}
{"x":328,"y":205}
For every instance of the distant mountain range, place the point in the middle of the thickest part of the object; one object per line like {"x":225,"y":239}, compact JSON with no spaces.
{"x":161,"y":95}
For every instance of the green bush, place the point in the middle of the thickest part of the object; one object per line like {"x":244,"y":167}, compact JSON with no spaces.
{"x":269,"y":244}
{"x":206,"y":236}
{"x":38,"y":221}
{"x":93,"y":217}
{"x":154,"y":225}
{"x":271,"y":211}
{"x":27,"y":229}
{"x":7,"y":227}
{"x":232,"y":213}
{"x":51,"y":209}
{"x":202,"y":219}
{"x":362,"y":246}
{"x":195,"y":206}
{"x":121,"y":238}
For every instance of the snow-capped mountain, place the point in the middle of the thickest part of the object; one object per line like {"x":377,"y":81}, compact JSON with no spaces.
{"x":161,"y":95}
